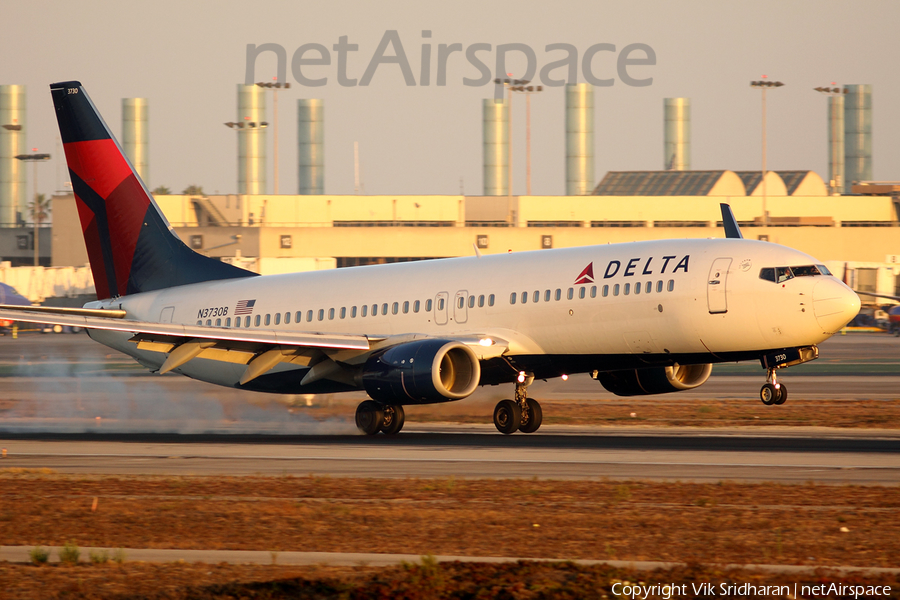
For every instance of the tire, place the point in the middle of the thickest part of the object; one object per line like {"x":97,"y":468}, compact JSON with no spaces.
{"x":768,"y":394}
{"x":535,"y":417}
{"x":782,"y":394}
{"x":507,"y":417}
{"x":369,"y":417}
{"x":392,"y":422}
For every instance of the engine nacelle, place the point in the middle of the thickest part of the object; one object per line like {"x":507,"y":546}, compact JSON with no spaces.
{"x":654,"y":380}
{"x":422,"y":372}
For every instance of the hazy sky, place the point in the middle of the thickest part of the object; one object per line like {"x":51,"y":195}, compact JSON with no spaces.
{"x":187,"y":58}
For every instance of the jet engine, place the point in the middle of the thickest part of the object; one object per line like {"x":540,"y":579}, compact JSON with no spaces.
{"x":422,"y":372}
{"x":654,"y":380}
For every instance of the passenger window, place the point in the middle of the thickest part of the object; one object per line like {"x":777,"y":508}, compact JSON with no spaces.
{"x":405,"y":306}
{"x":491,"y":300}
{"x":648,"y":287}
{"x":581,"y":292}
{"x":524,"y":297}
{"x":287,"y":318}
{"x":268,"y":320}
{"x":428,"y":305}
{"x":247,"y":321}
{"x":767,"y":273}
{"x":481,"y":301}
{"x":512,"y":298}
{"x":277,"y":319}
{"x":209,"y":322}
{"x":200,"y":322}
{"x":536,"y":297}
{"x":471,"y":301}
{"x":321,"y":314}
{"x":616,"y":290}
{"x":441,"y":304}
{"x":460,"y":302}
{"x":384,"y":308}
{"x":375,"y":310}
{"x":330,"y":314}
{"x":605,"y":291}
{"x":256,"y":320}
{"x":783,"y":274}
{"x":637,"y":288}
{"x":228,"y":322}
{"x":593,"y":291}
{"x":671,"y":285}
{"x":218,"y":322}
{"x":570,"y":294}
{"x":416,"y":306}
{"x":659,"y":286}
{"x":353,"y":313}
{"x":627,"y":289}
{"x":298,"y":316}
{"x":546,"y":295}
{"x":365,"y":309}
{"x":309,"y":316}
{"x":343,"y":312}
{"x":558,"y":295}
{"x":395,"y":308}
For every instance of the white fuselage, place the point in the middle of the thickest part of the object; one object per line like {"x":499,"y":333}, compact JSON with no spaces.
{"x":696,"y":297}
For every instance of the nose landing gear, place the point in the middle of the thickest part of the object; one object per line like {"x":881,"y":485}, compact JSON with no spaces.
{"x":523,"y":414}
{"x":772,"y":392}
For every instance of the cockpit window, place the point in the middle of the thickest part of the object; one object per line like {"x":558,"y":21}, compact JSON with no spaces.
{"x":805,"y":271}
{"x":781,"y":274}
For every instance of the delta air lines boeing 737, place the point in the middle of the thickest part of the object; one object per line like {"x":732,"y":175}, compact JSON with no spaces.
{"x":642,"y":318}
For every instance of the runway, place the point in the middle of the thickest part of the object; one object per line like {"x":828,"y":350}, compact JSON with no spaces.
{"x":475,"y":451}
{"x":74,"y":406}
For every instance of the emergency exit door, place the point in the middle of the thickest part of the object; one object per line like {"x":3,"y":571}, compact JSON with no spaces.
{"x":716,"y":296}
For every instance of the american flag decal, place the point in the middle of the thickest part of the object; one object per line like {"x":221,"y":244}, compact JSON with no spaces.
{"x":244,"y":307}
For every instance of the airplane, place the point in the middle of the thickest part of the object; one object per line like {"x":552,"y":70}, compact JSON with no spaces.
{"x":642,"y":318}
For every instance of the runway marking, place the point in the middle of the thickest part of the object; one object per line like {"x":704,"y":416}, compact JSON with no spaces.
{"x":463,"y":460}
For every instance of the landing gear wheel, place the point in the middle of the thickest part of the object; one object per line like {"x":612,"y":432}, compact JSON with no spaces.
{"x":532,"y":422}
{"x":782,"y":394}
{"x":369,"y":417}
{"x":768,"y":394}
{"x":507,"y":416}
{"x":394,"y":417}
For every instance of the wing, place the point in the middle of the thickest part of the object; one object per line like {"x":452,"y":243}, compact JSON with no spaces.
{"x":260,"y":349}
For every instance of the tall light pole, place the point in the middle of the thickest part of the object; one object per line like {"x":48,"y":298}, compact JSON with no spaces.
{"x":275,"y":87}
{"x":528,"y":90}
{"x":35,"y":209}
{"x":763,"y":85}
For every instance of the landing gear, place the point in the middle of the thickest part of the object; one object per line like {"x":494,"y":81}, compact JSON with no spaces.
{"x":507,"y":416}
{"x":369,"y":417}
{"x":394,"y":417}
{"x":372,"y":417}
{"x":523,"y":413}
{"x":773,"y":392}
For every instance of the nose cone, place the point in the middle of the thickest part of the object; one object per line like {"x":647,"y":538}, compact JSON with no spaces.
{"x":834,"y":305}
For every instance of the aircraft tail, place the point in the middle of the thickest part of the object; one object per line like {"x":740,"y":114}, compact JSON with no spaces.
{"x":131,"y":246}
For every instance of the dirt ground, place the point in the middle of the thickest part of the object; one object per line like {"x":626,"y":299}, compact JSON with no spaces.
{"x":425,"y":580}
{"x":722,"y":523}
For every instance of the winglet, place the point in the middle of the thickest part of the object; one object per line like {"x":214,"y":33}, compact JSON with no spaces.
{"x":730,"y":223}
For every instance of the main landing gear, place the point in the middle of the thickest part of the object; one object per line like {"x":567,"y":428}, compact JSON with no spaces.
{"x":772,"y":392}
{"x":372,"y":417}
{"x":523,"y":414}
